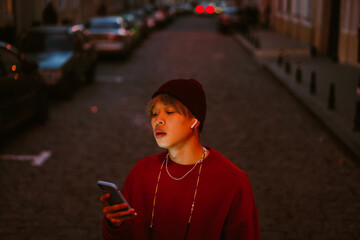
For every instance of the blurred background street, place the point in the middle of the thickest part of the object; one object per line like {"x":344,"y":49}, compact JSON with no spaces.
{"x":306,"y":181}
{"x":306,"y":185}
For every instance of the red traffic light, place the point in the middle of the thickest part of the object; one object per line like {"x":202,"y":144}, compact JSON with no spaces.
{"x":210,"y":9}
{"x":199,"y":9}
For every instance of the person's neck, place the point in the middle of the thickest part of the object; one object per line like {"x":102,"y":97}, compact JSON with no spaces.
{"x":187,"y":155}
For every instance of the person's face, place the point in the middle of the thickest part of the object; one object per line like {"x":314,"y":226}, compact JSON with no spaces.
{"x":171,"y":129}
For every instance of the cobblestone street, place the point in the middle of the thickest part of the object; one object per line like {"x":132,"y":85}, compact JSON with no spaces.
{"x":306,"y":183}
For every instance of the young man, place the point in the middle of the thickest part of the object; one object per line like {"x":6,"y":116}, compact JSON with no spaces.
{"x":189,"y":191}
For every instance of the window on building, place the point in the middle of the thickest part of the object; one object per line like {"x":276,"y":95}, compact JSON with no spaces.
{"x":288,"y":6}
{"x":9,"y":6}
{"x":62,"y":4}
{"x":280,"y":5}
{"x":75,"y":3}
{"x":346,"y":13}
{"x":308,"y":9}
{"x":45,"y":2}
{"x":297,"y":8}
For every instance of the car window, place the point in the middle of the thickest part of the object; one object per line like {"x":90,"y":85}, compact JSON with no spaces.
{"x":231,"y":10}
{"x":11,"y":63}
{"x":104,"y":25}
{"x":46,"y":42}
{"x":58,"y":42}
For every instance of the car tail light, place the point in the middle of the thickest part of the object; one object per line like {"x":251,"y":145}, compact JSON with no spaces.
{"x":199,"y":9}
{"x":210,"y":9}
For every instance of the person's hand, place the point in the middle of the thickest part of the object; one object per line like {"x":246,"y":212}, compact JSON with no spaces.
{"x":118,"y":213}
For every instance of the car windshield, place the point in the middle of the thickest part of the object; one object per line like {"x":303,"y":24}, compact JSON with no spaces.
{"x":231,"y":10}
{"x":104,"y":24}
{"x":46,"y":42}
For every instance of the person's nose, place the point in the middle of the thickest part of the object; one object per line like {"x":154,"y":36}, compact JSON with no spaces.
{"x":159,"y":120}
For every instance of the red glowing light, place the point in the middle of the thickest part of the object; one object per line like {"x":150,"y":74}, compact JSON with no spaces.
{"x":94,"y":109}
{"x":75,"y":28}
{"x":199,"y":9}
{"x":210,"y":9}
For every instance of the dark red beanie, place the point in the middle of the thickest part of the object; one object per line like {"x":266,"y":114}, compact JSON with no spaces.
{"x":190,"y":93}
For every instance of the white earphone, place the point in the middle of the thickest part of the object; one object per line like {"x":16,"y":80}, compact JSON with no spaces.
{"x":192,"y":126}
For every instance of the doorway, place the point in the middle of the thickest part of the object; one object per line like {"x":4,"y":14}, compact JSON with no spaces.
{"x":334,"y":30}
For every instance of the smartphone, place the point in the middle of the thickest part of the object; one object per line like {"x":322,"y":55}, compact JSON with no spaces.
{"x":115,"y":195}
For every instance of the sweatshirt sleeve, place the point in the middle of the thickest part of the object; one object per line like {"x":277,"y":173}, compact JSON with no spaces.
{"x":242,"y":220}
{"x":110,"y":233}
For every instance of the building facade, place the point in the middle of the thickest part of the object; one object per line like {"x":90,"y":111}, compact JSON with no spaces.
{"x":331,"y":27}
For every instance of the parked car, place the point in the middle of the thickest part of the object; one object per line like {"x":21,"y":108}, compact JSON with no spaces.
{"x":229,"y":19}
{"x":65,"y":55}
{"x":173,"y":11}
{"x":110,"y":34}
{"x":184,"y":8}
{"x":133,"y":25}
{"x":150,"y":16}
{"x":161,"y":15}
{"x":22,"y":90}
{"x":142,"y":21}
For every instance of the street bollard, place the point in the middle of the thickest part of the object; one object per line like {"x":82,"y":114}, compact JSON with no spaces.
{"x":251,"y":38}
{"x":257,"y":43}
{"x":313,"y":83}
{"x":287,"y":65}
{"x":298,"y":74}
{"x":280,"y":59}
{"x":357,"y":109}
{"x":331,"y":100}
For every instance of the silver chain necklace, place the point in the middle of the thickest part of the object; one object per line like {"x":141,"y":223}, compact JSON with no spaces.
{"x":180,"y":178}
{"x":194,"y":198}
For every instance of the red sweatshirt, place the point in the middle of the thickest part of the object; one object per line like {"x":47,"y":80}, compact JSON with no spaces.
{"x":224,"y":206}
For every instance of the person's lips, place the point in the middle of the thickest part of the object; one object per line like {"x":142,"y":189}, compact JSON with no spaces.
{"x":159,"y":133}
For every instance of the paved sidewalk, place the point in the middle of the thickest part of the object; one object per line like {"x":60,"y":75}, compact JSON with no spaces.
{"x":328,"y":89}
